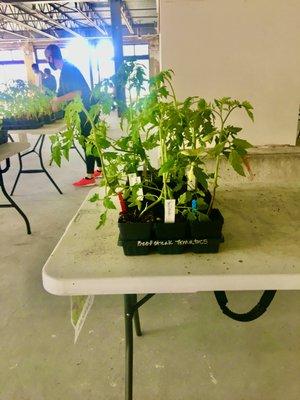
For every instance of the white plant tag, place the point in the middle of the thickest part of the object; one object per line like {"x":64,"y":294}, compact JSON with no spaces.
{"x":170,"y":211}
{"x":80,"y":307}
{"x":132,"y":179}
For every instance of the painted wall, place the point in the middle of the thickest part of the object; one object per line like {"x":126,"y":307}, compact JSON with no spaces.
{"x":246,"y":49}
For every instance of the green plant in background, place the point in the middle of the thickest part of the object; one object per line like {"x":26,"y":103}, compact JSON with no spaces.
{"x":20,"y":100}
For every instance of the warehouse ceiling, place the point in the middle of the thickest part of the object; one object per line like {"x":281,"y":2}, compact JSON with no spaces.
{"x":40,"y":20}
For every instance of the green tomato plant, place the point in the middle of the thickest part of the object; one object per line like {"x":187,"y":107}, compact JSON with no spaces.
{"x":186,"y":135}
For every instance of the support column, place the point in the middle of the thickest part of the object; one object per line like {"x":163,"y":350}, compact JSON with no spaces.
{"x":116,"y":31}
{"x":154,"y":58}
{"x":29,"y":59}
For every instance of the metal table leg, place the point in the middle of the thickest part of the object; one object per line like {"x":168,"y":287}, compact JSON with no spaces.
{"x":131,"y":306}
{"x":37,"y":149}
{"x":76,"y":148}
{"x":12,"y":203}
{"x":42,"y":165}
{"x":128,"y":346}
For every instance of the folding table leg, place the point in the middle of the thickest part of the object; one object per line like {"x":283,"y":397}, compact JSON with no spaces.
{"x":18,"y":176}
{"x":42,"y":164}
{"x":136,"y":318}
{"x":129,"y":311}
{"x":76,"y":148}
{"x":13,"y":204}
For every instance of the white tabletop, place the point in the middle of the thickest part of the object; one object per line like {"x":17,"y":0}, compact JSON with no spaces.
{"x":261,"y":251}
{"x":48,"y":129}
{"x":10,"y":149}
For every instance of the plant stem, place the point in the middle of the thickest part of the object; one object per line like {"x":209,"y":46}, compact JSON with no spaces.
{"x":215,"y":184}
{"x":151,"y":205}
{"x":230,"y":111}
{"x":173,"y":91}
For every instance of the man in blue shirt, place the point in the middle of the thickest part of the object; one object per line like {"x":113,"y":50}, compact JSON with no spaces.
{"x":72,"y":84}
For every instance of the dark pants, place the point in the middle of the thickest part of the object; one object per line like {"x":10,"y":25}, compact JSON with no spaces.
{"x":89,"y":159}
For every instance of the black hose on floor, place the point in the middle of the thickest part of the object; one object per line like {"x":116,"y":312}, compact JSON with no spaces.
{"x":259,"y":309}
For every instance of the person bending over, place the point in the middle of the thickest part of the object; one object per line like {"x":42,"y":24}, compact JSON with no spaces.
{"x":72,"y":84}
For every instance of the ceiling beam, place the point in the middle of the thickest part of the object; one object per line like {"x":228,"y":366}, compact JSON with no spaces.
{"x":84,"y":12}
{"x":15,"y":2}
{"x":23,"y":24}
{"x":14,"y":33}
{"x":43,"y":17}
{"x":127,"y":17}
{"x":64,"y":13}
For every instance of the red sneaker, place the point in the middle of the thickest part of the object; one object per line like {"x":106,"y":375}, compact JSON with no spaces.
{"x":85,"y":182}
{"x":97,"y":174}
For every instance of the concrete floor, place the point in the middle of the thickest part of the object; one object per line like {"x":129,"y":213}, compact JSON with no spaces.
{"x":190,"y":350}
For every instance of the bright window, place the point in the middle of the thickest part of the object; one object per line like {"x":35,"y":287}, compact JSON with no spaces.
{"x":12,"y":72}
{"x":128,"y":50}
{"x":141,"y":49}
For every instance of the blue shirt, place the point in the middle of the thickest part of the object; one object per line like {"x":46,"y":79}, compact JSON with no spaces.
{"x":71,"y":80}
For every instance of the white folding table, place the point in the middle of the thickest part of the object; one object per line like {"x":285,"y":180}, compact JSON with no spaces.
{"x":261,"y":252}
{"x":46,"y":130}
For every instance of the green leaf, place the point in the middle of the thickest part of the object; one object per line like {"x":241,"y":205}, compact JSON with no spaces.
{"x":234,"y":129}
{"x":248,"y":108}
{"x":108,"y":203}
{"x":103,"y":143}
{"x":66,"y":152}
{"x":164,"y":92}
{"x":193,"y":152}
{"x":217,"y":150}
{"x":201,"y":205}
{"x":202,"y":217}
{"x":150,"y":197}
{"x":242,"y":143}
{"x":89,"y":149}
{"x":201,"y":177}
{"x":202,"y":105}
{"x":102,"y":220}
{"x":56,"y":155}
{"x":185,"y":198}
{"x":166,"y":167}
{"x":94,"y":198}
{"x":236,"y":162}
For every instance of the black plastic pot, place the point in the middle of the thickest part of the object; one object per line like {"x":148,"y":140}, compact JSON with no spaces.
{"x":206,"y":245}
{"x":176,"y":230}
{"x":3,"y":136}
{"x":170,"y":231}
{"x":132,"y":248}
{"x":135,"y":230}
{"x":208,"y":229}
{"x":132,"y":234}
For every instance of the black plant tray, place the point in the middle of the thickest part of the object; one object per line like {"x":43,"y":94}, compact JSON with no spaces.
{"x":59,"y":114}
{"x":48,"y":119}
{"x":3,"y":136}
{"x":179,"y":237}
{"x":11,"y":124}
{"x":170,"y":246}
